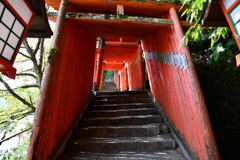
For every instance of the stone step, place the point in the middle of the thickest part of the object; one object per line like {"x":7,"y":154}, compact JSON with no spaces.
{"x":121,"y":101}
{"x":128,"y":144}
{"x":101,"y":94}
{"x":109,"y":87}
{"x":119,"y":131}
{"x":163,"y":155}
{"x":123,"y":120}
{"x":120,"y":112}
{"x":121,"y":106}
{"x":115,"y":97}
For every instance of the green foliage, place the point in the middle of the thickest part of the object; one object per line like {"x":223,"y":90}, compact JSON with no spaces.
{"x":108,"y":75}
{"x":122,"y":17}
{"x":195,"y":14}
{"x":15,"y":109}
{"x":215,"y":48}
{"x":19,"y":151}
{"x":194,"y":11}
{"x":13,"y":116}
{"x":219,"y":32}
{"x":13,"y":113}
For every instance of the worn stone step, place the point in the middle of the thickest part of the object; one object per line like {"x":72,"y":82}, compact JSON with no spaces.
{"x":123,"y":120}
{"x":116,"y":97}
{"x":163,"y":155}
{"x":99,"y":94}
{"x":128,"y":144}
{"x":121,"y":101}
{"x":121,"y":106}
{"x":121,"y":112}
{"x":119,"y":131}
{"x":121,"y":125}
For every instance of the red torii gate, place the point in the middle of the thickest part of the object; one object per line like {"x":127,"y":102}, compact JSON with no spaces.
{"x":124,"y":56}
{"x":68,"y":80}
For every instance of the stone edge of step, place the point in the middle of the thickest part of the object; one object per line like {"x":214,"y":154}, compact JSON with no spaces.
{"x":163,"y":155}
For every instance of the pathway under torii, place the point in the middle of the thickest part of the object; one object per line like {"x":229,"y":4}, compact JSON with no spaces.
{"x":77,"y":63}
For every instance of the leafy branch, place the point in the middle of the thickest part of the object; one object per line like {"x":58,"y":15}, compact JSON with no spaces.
{"x":37,"y":61}
{"x":196,"y":12}
{"x":27,"y":74}
{"x":22,"y":87}
{"x":17,"y":116}
{"x":14,"y":94}
{"x":21,"y":97}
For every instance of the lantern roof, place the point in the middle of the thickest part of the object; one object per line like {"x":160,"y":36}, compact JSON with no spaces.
{"x":39,"y":26}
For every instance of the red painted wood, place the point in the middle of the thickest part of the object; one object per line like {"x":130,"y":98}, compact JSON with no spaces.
{"x":178,"y":91}
{"x":110,"y":39}
{"x":208,"y":144}
{"x":96,"y":66}
{"x":69,"y":88}
{"x":100,"y":70}
{"x":117,"y":79}
{"x":116,"y":52}
{"x":135,"y":70}
{"x":124,"y":80}
{"x":101,"y":78}
{"x":145,"y":9}
{"x":114,"y":67}
{"x":117,"y":28}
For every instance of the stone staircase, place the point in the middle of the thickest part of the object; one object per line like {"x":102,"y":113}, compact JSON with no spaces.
{"x":109,"y":87}
{"x":121,"y":125}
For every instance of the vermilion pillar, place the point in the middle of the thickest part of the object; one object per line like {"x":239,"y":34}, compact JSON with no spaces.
{"x":96,"y":66}
{"x":101,"y":78}
{"x":129,"y":79}
{"x":100,"y":74}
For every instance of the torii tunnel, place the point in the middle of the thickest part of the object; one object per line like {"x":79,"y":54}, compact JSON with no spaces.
{"x":124,"y":56}
{"x":67,"y":84}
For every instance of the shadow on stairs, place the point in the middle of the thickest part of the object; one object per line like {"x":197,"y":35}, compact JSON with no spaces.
{"x":121,"y":126}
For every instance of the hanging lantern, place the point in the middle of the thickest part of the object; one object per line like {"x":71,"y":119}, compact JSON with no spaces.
{"x":15,"y":18}
{"x":231,"y":10}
